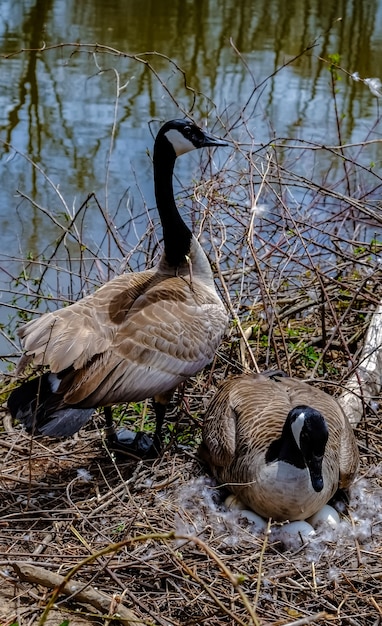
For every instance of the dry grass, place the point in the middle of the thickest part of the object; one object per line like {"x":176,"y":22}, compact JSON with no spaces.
{"x":174,"y":553}
{"x":183,"y":559}
{"x":296,"y":252}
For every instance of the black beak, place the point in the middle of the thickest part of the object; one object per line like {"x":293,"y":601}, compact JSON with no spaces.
{"x":210,"y":140}
{"x":315,"y":470}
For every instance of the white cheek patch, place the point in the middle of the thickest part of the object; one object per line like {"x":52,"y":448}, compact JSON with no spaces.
{"x":297,"y":427}
{"x":180,"y":144}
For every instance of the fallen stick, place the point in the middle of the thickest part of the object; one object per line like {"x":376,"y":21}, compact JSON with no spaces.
{"x":110,"y":607}
{"x":310,"y":618}
{"x":366,"y":382}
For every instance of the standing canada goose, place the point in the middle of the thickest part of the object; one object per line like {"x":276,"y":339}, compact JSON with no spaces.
{"x":281,"y":446}
{"x":140,"y":335}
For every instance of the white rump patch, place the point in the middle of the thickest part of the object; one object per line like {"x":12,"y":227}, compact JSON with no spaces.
{"x":180,"y":144}
{"x":297,"y":427}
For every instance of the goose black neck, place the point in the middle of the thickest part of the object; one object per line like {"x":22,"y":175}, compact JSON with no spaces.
{"x":176,"y":235}
{"x":285,"y":449}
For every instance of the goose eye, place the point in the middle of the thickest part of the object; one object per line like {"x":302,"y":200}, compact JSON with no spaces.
{"x":187,"y":130}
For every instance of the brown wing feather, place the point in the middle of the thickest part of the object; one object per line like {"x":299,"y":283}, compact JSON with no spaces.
{"x":259,"y":408}
{"x":72,"y":336}
{"x":138,"y":335}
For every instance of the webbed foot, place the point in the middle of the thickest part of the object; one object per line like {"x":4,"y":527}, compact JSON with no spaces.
{"x":126,"y":442}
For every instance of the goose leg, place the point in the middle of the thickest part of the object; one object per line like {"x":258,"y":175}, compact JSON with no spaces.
{"x":128,"y":442}
{"x":160,"y":412}
{"x":160,"y":403}
{"x":110,"y":431}
{"x":138,"y":444}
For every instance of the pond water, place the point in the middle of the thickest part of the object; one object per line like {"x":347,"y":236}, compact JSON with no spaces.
{"x":75,"y":119}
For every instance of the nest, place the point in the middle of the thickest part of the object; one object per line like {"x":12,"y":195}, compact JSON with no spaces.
{"x":83,"y":537}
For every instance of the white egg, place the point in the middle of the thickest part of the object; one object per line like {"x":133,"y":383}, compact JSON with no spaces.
{"x":258,"y":522}
{"x":234,"y":503}
{"x":296,"y":534}
{"x":325,"y":516}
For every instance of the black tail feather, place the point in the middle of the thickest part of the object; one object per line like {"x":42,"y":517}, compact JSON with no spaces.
{"x":43,"y":412}
{"x":65,"y":422}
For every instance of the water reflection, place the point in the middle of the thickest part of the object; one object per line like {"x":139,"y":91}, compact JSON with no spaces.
{"x":73,"y":122}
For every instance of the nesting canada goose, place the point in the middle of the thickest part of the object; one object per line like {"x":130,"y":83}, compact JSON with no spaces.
{"x":280,"y":445}
{"x":140,"y":335}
